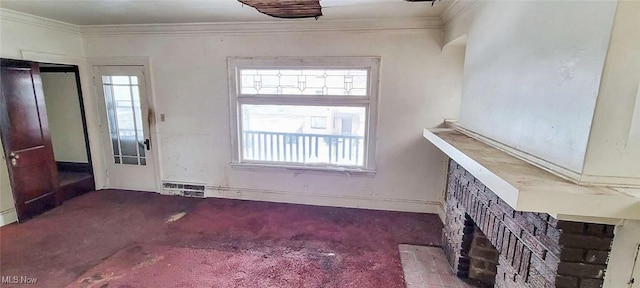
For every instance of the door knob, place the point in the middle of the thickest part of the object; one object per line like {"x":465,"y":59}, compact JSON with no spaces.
{"x":14,"y":158}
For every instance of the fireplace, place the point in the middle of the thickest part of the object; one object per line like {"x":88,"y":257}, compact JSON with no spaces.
{"x":531,"y":249}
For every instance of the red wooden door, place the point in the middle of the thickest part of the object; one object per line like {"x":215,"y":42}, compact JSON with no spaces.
{"x":26,"y":139}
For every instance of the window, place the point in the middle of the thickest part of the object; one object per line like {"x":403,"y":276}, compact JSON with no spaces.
{"x":318,"y":122}
{"x":292,"y":112}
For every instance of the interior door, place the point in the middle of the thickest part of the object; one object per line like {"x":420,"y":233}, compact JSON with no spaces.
{"x":26,"y":139}
{"x":126,"y":121}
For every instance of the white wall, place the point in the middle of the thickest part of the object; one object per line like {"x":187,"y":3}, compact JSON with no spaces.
{"x":190,"y":87}
{"x":614,"y":144}
{"x":16,"y":36}
{"x":65,"y":118}
{"x":7,"y":208}
{"x":532,"y":74}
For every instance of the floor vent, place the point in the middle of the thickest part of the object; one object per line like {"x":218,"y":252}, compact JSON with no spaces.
{"x":199,"y":194}
{"x":184,"y":189}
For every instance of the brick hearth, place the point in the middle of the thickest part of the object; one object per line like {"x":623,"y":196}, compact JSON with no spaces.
{"x":536,"y":250}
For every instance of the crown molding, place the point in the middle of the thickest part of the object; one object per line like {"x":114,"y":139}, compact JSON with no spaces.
{"x":280,"y":26}
{"x":299,"y":26}
{"x":24,"y":18}
{"x":458,"y":8}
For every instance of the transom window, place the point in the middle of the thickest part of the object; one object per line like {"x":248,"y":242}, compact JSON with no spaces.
{"x":304,"y":81}
{"x":292,"y":112}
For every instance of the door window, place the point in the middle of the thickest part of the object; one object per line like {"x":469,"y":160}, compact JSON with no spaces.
{"x":124,"y":114}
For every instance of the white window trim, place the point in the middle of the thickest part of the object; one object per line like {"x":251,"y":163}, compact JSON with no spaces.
{"x":370,"y":63}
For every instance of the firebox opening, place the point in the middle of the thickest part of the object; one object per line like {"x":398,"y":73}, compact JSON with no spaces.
{"x":483,"y":259}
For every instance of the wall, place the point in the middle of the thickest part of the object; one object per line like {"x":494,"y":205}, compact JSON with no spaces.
{"x":453,"y":55}
{"x":65,"y":118}
{"x":614,"y":144}
{"x":190,"y":87}
{"x":19,"y":33}
{"x":532,"y":73}
{"x":7,"y":208}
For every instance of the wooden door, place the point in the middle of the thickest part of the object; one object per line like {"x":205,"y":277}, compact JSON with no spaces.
{"x":26,"y":139}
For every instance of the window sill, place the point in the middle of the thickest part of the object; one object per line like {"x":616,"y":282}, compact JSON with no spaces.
{"x":302,"y":169}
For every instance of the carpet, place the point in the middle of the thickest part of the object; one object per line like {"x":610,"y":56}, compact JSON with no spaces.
{"x":137,"y":239}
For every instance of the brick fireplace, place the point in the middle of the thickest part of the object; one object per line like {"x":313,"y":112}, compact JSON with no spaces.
{"x":535,"y":249}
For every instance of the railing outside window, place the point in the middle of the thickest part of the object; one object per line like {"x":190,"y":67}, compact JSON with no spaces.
{"x":303,"y":148}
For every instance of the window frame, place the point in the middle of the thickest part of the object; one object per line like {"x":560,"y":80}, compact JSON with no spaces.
{"x":369,"y":102}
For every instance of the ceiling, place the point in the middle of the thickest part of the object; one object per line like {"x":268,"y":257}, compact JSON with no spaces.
{"x":105,"y":12}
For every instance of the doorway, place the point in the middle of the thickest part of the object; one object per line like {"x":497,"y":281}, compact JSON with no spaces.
{"x":46,"y":148}
{"x":68,"y":129}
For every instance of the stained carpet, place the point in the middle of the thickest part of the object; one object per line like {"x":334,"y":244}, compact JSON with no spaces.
{"x":114,"y":238}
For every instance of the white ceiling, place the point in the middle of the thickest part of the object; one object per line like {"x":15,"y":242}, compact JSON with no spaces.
{"x":103,"y":12}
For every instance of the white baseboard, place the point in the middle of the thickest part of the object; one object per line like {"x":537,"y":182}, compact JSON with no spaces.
{"x":8,"y":216}
{"x":401,"y":205}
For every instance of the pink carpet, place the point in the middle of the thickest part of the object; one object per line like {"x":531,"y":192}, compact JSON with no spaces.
{"x":127,"y":239}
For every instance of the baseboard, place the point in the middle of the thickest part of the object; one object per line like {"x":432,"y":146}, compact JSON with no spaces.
{"x":401,"y":205}
{"x":8,"y":216}
{"x":74,"y":167}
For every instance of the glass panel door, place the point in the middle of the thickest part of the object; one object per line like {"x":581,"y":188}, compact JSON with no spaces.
{"x":126,"y":124}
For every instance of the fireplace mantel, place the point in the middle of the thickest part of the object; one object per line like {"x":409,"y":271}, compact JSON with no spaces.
{"x":526,"y":187}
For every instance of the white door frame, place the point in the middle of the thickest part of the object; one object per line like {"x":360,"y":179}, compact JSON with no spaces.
{"x":145,"y":62}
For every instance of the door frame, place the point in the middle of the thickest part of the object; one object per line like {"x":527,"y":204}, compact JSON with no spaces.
{"x":76,"y":72}
{"x":145,"y":62}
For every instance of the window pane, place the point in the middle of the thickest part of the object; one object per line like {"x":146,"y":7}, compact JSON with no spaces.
{"x":344,"y":82}
{"x":124,"y":115}
{"x":113,"y":129}
{"x":120,"y":80}
{"x":310,"y":135}
{"x":130,"y":160}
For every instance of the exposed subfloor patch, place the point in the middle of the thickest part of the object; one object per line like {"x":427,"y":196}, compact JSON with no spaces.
{"x":176,"y":217}
{"x":427,"y":267}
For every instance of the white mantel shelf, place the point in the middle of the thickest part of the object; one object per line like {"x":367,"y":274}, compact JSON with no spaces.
{"x":528,"y":188}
